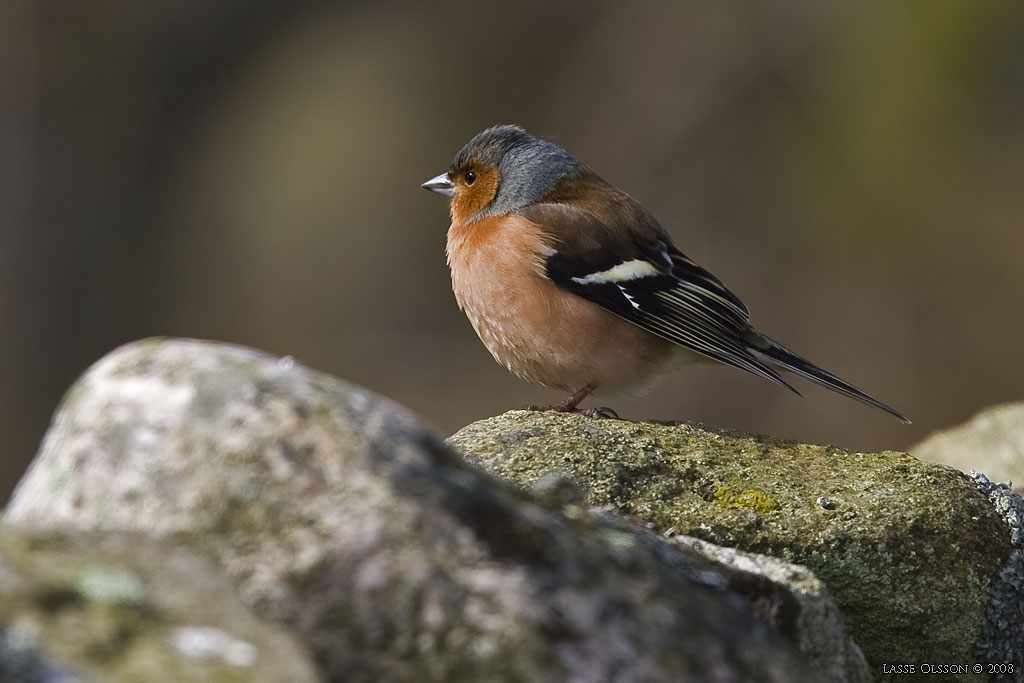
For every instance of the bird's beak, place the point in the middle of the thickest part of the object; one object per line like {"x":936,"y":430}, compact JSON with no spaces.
{"x":441,"y":185}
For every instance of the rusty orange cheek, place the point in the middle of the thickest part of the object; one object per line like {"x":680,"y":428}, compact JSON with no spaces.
{"x":471,"y":198}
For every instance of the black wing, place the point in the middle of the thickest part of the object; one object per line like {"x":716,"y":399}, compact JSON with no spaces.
{"x":637,"y":274}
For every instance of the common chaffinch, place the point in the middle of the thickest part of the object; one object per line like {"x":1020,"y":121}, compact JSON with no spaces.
{"x":570,"y":283}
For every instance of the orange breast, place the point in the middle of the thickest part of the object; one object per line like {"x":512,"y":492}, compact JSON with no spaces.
{"x":539,"y":331}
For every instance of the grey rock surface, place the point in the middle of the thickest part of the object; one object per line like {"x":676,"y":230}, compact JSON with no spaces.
{"x":121,"y":608}
{"x":909,"y":550}
{"x":1004,"y":636}
{"x":793,"y":599}
{"x":336,"y":513}
{"x":991,"y":442}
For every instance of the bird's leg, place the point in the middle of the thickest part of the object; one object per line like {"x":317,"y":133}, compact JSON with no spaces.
{"x":570,"y":404}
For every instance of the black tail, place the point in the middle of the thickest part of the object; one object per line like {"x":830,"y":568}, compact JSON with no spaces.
{"x":774,"y":352}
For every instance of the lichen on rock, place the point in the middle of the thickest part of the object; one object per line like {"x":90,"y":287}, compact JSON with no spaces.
{"x":120,"y":608}
{"x":909,"y":549}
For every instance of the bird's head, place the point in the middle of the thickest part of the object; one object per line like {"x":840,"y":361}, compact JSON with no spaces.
{"x":501,"y":170}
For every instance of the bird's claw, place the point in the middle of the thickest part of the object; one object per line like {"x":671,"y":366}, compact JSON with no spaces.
{"x":602,"y":413}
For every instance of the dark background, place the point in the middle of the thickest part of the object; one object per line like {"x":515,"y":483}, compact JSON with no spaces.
{"x":249,"y":171}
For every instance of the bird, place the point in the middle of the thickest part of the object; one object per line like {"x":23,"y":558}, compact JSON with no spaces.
{"x":572,"y":284}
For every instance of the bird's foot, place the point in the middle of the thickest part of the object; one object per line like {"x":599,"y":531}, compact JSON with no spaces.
{"x":570,"y":404}
{"x":602,"y":413}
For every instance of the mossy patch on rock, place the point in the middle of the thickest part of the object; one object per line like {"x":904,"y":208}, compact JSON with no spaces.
{"x":909,"y":549}
{"x":750,"y":499}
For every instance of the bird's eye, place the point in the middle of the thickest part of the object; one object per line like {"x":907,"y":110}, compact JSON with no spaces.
{"x":470,"y":177}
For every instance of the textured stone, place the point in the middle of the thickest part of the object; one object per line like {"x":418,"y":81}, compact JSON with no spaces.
{"x":337,"y":513}
{"x":908,"y":549}
{"x":1003,"y":641}
{"x":123,"y":608}
{"x":791,"y":598}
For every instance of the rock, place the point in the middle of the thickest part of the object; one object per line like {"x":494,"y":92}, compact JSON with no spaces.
{"x":122,"y":608}
{"x":336,"y":513}
{"x":909,"y":550}
{"x":786,"y":596}
{"x":991,"y":442}
{"x":1004,"y":624}
{"x":799,"y":605}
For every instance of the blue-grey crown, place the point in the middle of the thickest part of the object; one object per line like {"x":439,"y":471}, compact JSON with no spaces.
{"x":528,"y":168}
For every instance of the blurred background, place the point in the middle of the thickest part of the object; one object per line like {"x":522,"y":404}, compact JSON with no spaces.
{"x":249,"y":171}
